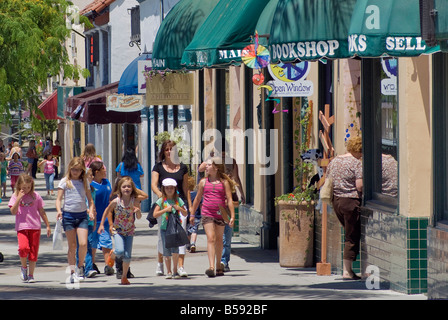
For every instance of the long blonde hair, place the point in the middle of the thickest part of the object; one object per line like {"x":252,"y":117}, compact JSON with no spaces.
{"x":24,"y":178}
{"x":218,"y":163}
{"x":76,"y":161}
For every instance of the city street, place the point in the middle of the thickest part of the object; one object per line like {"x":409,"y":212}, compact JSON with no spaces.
{"x":255,"y":274}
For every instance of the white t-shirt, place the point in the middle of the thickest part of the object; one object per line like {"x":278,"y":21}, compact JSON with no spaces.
{"x":74,"y":198}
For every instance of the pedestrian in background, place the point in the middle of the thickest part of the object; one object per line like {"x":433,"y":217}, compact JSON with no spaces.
{"x":57,"y":153}
{"x":15,"y":169}
{"x":28,"y":207}
{"x":74,"y":189}
{"x":346,"y":172}
{"x":32,"y":158}
{"x":126,"y":208}
{"x":130,"y":167}
{"x":48,"y":164}
{"x":215,"y":190}
{"x":89,"y":155}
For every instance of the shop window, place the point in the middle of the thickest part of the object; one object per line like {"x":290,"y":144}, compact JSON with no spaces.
{"x":380,"y":130}
{"x":440,"y":137}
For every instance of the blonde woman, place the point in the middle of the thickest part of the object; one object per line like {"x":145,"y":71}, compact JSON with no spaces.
{"x":74,"y":189}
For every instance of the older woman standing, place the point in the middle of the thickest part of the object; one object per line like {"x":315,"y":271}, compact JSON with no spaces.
{"x":346,"y":172}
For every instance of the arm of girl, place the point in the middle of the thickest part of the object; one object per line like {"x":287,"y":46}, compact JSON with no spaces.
{"x":182,"y":210}
{"x":45,"y":219}
{"x":15,"y":208}
{"x":137,"y":209}
{"x":58,"y":204}
{"x":229,"y":203}
{"x":92,"y":211}
{"x":141,"y":195}
{"x":158,"y":211}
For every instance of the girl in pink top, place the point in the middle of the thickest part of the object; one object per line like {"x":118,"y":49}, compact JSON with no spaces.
{"x":49,"y":163}
{"x":216,"y":191}
{"x":28,"y":207}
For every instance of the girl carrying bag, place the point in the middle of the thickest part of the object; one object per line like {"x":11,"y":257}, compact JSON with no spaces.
{"x":175,"y":235}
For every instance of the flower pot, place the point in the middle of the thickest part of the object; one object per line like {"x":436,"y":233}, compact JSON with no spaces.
{"x":296,"y":234}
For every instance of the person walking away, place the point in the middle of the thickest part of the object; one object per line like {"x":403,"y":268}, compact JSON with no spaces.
{"x":101,"y":191}
{"x":28,"y":208}
{"x":215,"y":190}
{"x":74,"y":190}
{"x":346,"y":172}
{"x":3,"y":173}
{"x":15,"y":168}
{"x":129,"y":166}
{"x":48,"y":164}
{"x":169,"y":203}
{"x":89,"y":155}
{"x":126,"y":208}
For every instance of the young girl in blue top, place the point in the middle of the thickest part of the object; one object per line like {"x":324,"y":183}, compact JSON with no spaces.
{"x":169,"y":203}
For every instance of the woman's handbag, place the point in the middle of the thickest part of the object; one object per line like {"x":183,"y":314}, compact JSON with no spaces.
{"x":175,"y":235}
{"x":225,"y":213}
{"x":57,"y":236}
{"x":326,"y":191}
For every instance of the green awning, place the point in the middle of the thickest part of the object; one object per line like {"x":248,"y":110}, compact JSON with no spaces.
{"x":177,"y":30}
{"x":310,"y":30}
{"x":441,"y":21}
{"x":221,"y":38}
{"x":265,"y":22}
{"x":391,"y":28}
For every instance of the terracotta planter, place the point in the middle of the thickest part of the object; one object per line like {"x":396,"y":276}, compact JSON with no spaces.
{"x":296,"y":234}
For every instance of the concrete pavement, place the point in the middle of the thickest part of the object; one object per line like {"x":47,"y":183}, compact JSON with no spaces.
{"x":255,"y":274}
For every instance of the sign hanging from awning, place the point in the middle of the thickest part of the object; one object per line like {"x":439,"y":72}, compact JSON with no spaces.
{"x":124,"y":103}
{"x":390,"y":28}
{"x":170,"y":89}
{"x":289,"y":80}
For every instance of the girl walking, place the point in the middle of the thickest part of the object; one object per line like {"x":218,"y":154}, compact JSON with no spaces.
{"x":74,"y":189}
{"x":126,"y":207}
{"x":215,"y":191}
{"x":15,"y":168}
{"x":49,"y":163}
{"x":169,"y":203}
{"x":28,"y":207}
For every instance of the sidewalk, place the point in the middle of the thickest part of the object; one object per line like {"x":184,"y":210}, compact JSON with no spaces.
{"x":255,"y":274}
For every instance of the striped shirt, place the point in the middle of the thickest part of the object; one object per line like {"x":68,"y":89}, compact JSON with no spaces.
{"x":15,"y":168}
{"x":214,"y":195}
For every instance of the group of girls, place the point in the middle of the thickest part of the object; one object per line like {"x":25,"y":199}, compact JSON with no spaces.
{"x":113,"y":214}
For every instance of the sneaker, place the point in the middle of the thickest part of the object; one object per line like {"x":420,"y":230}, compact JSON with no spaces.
{"x":80,"y":273}
{"x":182,"y":273}
{"x":169,"y":276}
{"x":73,"y":277}
{"x":176,"y":276}
{"x":31,"y":279}
{"x":193,"y":248}
{"x":225,"y":267}
{"x":24,"y":274}
{"x":91,"y":274}
{"x":96,"y":269}
{"x":108,"y":271}
{"x":159,"y":270}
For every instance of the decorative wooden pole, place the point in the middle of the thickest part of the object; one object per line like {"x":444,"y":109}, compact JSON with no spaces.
{"x":324,"y":268}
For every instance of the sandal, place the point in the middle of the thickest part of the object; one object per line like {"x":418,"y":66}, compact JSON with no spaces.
{"x":219,"y":272}
{"x":210,"y":272}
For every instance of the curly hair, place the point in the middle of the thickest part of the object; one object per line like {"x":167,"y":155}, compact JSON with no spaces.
{"x":354,"y":145}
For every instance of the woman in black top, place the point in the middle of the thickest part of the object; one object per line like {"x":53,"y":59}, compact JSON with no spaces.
{"x":166,"y":168}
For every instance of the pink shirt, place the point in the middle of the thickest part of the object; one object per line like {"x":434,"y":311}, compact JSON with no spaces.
{"x":214,"y":196}
{"x":28,"y":217}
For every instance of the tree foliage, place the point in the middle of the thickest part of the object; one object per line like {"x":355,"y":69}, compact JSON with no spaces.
{"x":32,"y":36}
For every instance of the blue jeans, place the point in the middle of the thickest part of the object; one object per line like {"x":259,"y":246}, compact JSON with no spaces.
{"x":227,"y":241}
{"x":123,"y":247}
{"x":49,"y":181}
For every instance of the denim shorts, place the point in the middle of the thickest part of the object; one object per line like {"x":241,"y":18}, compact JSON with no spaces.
{"x":74,"y":220}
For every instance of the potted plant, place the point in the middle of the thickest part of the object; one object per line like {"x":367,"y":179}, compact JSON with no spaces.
{"x":296,"y":208}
